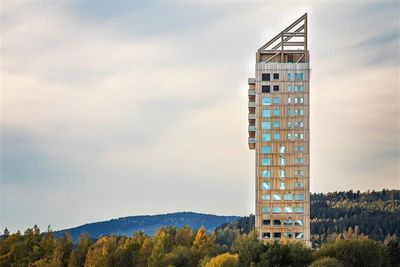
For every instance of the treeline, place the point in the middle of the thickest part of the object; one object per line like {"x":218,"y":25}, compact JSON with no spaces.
{"x":374,"y":214}
{"x":172,"y":246}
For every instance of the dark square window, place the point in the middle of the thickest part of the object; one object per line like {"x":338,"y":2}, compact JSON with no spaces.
{"x":265,"y":88}
{"x":276,"y":76}
{"x":277,"y":235}
{"x":277,"y":222}
{"x":266,"y":235}
{"x":266,"y":222}
{"x":266,"y":77}
{"x":276,"y":88}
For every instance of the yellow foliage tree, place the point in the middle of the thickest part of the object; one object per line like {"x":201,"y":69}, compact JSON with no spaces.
{"x":223,"y":260}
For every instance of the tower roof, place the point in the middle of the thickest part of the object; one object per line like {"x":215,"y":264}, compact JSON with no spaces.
{"x":293,"y":38}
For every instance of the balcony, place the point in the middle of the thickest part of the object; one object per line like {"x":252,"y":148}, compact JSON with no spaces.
{"x":252,"y":140}
{"x":252,"y":92}
{"x":252,"y":104}
{"x":252,"y":116}
{"x":252,"y":128}
{"x":251,"y":80}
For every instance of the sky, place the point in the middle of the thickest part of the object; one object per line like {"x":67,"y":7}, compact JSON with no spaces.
{"x":119,"y":108}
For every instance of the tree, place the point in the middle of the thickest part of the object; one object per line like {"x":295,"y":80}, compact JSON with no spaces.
{"x":223,"y":260}
{"x":82,"y":248}
{"x":249,"y":249}
{"x":354,"y":253}
{"x":326,"y":262}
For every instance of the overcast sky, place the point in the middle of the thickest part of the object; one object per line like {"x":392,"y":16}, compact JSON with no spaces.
{"x":119,"y":108}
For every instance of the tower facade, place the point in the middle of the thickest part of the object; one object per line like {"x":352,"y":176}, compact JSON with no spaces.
{"x":279,"y":132}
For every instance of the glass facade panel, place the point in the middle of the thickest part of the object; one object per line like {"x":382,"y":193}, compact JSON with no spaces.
{"x":276,"y":210}
{"x":289,"y":88}
{"x":266,"y":161}
{"x":282,"y":173}
{"x":265,"y":125}
{"x":282,"y":149}
{"x":276,"y":124}
{"x":276,"y":100}
{"x":266,"y":137}
{"x":288,"y":76}
{"x":276,"y":112}
{"x":298,"y":209}
{"x":298,"y":222}
{"x":276,"y":136}
{"x":265,"y":101}
{"x":265,"y":197}
{"x":281,"y":185}
{"x":266,"y":113}
{"x":266,"y":174}
{"x":276,"y":197}
{"x":265,"y":210}
{"x":299,"y":235}
{"x":287,"y":196}
{"x":265,"y":149}
{"x":299,"y":197}
{"x":265,"y":186}
{"x":287,"y":222}
{"x":288,"y":210}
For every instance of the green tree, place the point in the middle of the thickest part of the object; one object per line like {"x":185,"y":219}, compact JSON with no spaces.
{"x":326,"y":262}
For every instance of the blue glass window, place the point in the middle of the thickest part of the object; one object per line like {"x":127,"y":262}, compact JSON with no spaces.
{"x":265,"y":186}
{"x":288,"y":100}
{"x":301,"y":112}
{"x":266,"y":113}
{"x":265,"y":137}
{"x":276,"y":112}
{"x":301,"y":100}
{"x":277,"y":210}
{"x":266,"y":174}
{"x":276,"y":100}
{"x":298,"y":222}
{"x":287,"y":197}
{"x":289,"y":88}
{"x":295,"y":88}
{"x":276,"y":136}
{"x":288,"y":210}
{"x":276,"y":124}
{"x":301,"y":160}
{"x":276,"y":197}
{"x":265,"y":125}
{"x":282,"y":173}
{"x":301,"y":148}
{"x":265,"y":197}
{"x":301,"y":76}
{"x":282,"y":149}
{"x":289,"y":112}
{"x":289,"y":136}
{"x":296,"y":136}
{"x":298,"y":209}
{"x":265,"y":210}
{"x":282,"y":161}
{"x":287,"y":222}
{"x":265,"y":149}
{"x":266,"y":161}
{"x":281,"y":185}
{"x":289,"y":124}
{"x":288,"y":76}
{"x":266,"y":101}
{"x":299,"y":235}
{"x":299,"y":197}
{"x":301,"y":88}
{"x":296,"y":76}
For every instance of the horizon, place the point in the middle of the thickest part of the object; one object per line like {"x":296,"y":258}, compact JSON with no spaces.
{"x":141,"y":108}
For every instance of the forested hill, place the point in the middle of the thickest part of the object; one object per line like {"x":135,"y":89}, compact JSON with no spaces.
{"x":349,"y":214}
{"x":372,"y":213}
{"x":148,"y":224}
